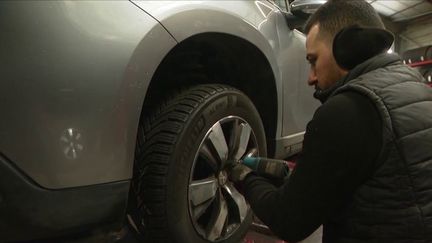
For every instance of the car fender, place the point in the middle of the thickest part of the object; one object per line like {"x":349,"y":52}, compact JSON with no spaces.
{"x":74,"y":75}
{"x":264,"y":25}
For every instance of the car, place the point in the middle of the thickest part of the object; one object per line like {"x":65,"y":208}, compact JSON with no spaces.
{"x":118,"y":112}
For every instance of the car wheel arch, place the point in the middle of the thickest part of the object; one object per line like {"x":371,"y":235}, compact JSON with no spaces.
{"x":218,"y":58}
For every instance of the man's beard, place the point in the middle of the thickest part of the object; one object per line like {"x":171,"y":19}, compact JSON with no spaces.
{"x":317,"y":92}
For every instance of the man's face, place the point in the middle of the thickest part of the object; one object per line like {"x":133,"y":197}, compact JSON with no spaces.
{"x":324,"y":71}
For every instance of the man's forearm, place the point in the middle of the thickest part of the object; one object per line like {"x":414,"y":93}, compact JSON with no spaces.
{"x":273,"y":208}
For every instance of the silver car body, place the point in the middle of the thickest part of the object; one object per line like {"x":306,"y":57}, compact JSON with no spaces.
{"x":75,"y":76}
{"x":79,"y":77}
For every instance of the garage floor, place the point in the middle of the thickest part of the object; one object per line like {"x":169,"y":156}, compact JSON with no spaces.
{"x":125,"y":236}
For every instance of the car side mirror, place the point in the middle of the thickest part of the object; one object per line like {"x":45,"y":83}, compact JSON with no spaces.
{"x":299,"y":12}
{"x":294,"y":22}
{"x":304,"y":8}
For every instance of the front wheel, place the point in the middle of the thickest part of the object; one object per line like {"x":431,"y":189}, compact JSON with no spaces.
{"x":180,"y":184}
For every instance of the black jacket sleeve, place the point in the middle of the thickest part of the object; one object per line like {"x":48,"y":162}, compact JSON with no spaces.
{"x":340,"y":147}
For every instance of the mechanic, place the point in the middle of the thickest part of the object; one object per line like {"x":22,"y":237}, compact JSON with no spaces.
{"x":365,"y":172}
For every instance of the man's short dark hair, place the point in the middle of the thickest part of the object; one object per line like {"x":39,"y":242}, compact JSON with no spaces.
{"x":335,"y":15}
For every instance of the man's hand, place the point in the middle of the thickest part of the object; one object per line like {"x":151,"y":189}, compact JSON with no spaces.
{"x":238,"y":172}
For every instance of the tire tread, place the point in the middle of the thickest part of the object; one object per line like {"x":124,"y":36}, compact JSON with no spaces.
{"x":157,"y":137}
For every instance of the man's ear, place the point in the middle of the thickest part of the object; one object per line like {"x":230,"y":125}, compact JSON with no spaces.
{"x":354,"y":45}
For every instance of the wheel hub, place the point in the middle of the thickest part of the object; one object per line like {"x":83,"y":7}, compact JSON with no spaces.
{"x":222,"y":178}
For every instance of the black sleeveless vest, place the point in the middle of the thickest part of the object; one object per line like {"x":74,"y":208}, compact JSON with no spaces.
{"x":395,"y":204}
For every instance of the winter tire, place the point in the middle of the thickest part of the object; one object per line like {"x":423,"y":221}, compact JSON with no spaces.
{"x":180,"y":186}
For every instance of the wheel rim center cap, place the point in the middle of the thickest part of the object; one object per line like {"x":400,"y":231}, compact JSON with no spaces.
{"x":222,"y":178}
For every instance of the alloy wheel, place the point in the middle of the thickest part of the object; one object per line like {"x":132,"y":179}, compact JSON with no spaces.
{"x":216,"y":208}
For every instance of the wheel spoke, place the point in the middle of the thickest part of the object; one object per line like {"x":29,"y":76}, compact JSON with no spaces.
{"x":201,"y":209}
{"x":234,"y":136}
{"x":238,"y":199}
{"x":209,"y":157}
{"x":252,"y":152}
{"x":243,"y":131}
{"x":201,"y":191}
{"x":218,"y":219}
{"x":217,"y":138}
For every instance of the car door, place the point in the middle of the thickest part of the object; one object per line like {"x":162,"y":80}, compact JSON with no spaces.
{"x":298,"y":104}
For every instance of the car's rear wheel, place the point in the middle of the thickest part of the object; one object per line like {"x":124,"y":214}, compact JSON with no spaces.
{"x":180,"y":186}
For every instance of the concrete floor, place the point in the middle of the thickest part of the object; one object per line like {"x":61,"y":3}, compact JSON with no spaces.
{"x":124,"y":236}
{"x":315,"y":237}
{"x":254,"y":237}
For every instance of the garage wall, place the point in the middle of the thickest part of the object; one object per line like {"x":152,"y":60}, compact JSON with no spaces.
{"x":416,"y":34}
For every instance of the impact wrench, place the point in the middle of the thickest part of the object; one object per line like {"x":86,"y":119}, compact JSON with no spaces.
{"x":266,"y":167}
